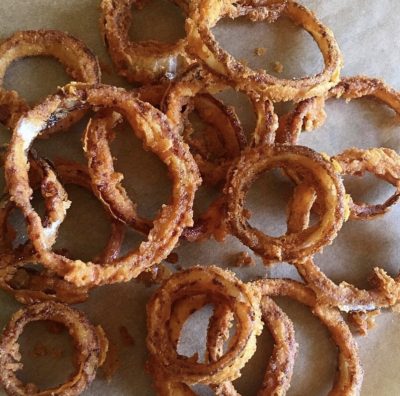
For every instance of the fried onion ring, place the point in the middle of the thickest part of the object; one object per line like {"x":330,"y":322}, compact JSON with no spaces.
{"x":143,"y":62}
{"x":350,"y":373}
{"x":30,"y":285}
{"x":315,"y":171}
{"x":219,"y":287}
{"x":80,"y":63}
{"x":205,"y":14}
{"x":88,"y":340}
{"x":153,"y":128}
{"x":221,"y":123}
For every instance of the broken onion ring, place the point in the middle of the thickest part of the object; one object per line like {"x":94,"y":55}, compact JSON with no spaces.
{"x":88,"y":340}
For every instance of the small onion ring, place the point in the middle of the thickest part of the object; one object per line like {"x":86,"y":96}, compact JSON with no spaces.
{"x":143,"y":62}
{"x":28,"y":285}
{"x":350,"y":373}
{"x":150,"y":125}
{"x":205,"y":14}
{"x":314,"y":169}
{"x":220,"y":287}
{"x":80,"y":63}
{"x":88,"y":340}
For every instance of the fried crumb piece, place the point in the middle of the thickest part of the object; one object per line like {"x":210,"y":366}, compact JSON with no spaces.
{"x":154,"y":275}
{"x":112,"y":363}
{"x":126,"y":337}
{"x":278,"y":67}
{"x":260,"y":51}
{"x":40,"y":350}
{"x":172,"y":258}
{"x":243,"y":259}
{"x":244,"y":62}
{"x":363,"y":321}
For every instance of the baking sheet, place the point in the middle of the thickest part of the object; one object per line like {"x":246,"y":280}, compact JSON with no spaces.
{"x":368,"y":33}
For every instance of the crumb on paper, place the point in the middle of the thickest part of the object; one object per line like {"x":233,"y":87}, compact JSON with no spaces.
{"x":363,"y":321}
{"x":112,"y":363}
{"x":278,"y":67}
{"x":260,"y":51}
{"x":172,"y":258}
{"x":243,"y":259}
{"x":126,"y":337}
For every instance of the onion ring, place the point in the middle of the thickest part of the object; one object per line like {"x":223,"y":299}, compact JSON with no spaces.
{"x":143,"y":62}
{"x":205,"y":14}
{"x":88,"y":342}
{"x":316,"y":171}
{"x":80,"y":63}
{"x":29,"y":285}
{"x":220,"y":287}
{"x":349,"y":376}
{"x":150,"y":125}
{"x":222,"y":124}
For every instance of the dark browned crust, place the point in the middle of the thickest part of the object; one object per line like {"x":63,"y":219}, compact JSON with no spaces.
{"x":315,"y":171}
{"x":88,"y":341}
{"x":145,"y":61}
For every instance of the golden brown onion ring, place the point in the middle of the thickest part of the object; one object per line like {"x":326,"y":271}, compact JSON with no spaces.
{"x":143,"y":62}
{"x":80,"y":63}
{"x":88,"y":341}
{"x":220,"y":287}
{"x":153,"y":128}
{"x":310,"y":114}
{"x":205,"y":14}
{"x":221,"y":123}
{"x":30,"y":285}
{"x":315,"y":171}
{"x":350,"y":374}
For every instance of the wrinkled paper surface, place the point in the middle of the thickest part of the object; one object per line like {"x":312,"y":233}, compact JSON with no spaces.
{"x":368,"y":33}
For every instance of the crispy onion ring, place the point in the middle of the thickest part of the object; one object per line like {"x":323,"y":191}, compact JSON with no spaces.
{"x":88,"y":340}
{"x":220,"y":287}
{"x":315,"y":171}
{"x":197,"y":81}
{"x":384,"y":163}
{"x":310,"y":114}
{"x":143,"y":62}
{"x":205,"y":14}
{"x":153,"y":128}
{"x":29,"y":285}
{"x":349,"y":376}
{"x":221,"y":123}
{"x":80,"y":63}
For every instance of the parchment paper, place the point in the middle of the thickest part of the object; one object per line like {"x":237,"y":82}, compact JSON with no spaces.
{"x":368,"y":33}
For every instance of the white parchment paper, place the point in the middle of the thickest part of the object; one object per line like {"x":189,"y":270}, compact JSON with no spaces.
{"x":368,"y":33}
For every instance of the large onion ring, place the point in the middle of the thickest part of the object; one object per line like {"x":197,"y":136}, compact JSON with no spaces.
{"x":80,"y":63}
{"x":143,"y":62}
{"x":223,"y":124}
{"x":350,"y":374}
{"x":316,"y":171}
{"x":153,"y":128}
{"x":89,"y":342}
{"x":220,"y":287}
{"x":205,"y":14}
